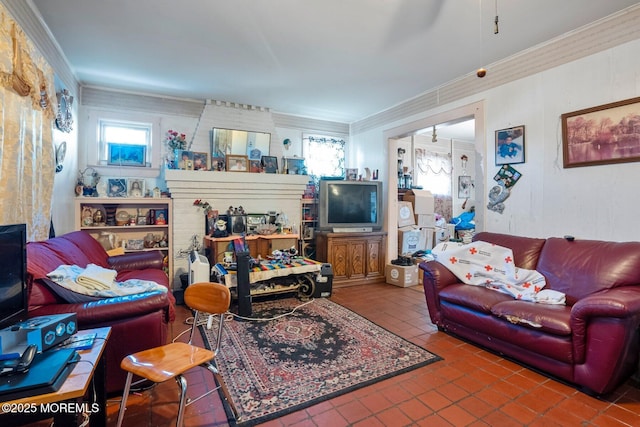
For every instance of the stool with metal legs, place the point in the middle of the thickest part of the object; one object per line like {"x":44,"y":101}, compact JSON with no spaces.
{"x":173,"y":360}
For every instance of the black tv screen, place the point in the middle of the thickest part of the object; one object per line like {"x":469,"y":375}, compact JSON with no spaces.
{"x":350,"y":205}
{"x":13,"y":274}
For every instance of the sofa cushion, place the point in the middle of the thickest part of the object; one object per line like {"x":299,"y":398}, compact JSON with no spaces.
{"x":477,"y":298}
{"x":582,"y":267}
{"x":526,"y":250}
{"x":554,"y":319}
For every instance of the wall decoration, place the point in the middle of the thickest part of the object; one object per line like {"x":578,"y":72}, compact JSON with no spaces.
{"x":237,"y":163}
{"x":126,"y":154}
{"x":605,"y":134}
{"x":510,"y":146}
{"x":61,"y":151}
{"x":464,"y":186}
{"x":508,"y":175}
{"x":270,"y":164}
{"x":64,"y":118}
{"x":497,"y":195}
{"x":231,"y":141}
{"x":117,"y":187}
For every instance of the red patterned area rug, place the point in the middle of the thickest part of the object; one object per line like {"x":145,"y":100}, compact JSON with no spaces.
{"x":319,"y":351}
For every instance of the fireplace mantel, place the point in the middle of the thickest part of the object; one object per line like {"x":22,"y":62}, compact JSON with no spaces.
{"x":234,"y":185}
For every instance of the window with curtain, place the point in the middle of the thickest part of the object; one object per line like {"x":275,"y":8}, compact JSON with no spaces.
{"x":433,"y":171}
{"x":324,"y":155}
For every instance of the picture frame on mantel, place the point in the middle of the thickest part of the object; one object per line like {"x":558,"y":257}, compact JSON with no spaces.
{"x":237,"y":163}
{"x":601,"y":135}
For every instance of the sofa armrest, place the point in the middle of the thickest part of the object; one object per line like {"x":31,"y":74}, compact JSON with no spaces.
{"x":600,"y":310}
{"x":109,"y":309}
{"x":617,"y":302}
{"x":137,"y":261}
{"x":436,"y":277}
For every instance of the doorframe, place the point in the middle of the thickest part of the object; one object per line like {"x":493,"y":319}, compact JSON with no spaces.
{"x":475,"y":111}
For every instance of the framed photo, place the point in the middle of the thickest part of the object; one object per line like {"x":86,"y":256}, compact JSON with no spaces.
{"x":126,"y":154}
{"x":351,"y":174}
{"x":510,"y":146}
{"x":200,"y":161}
{"x":237,"y":163}
{"x":185,"y":160}
{"x":135,"y":187}
{"x":255,"y":166}
{"x":464,"y":186}
{"x":270,"y":164}
{"x":217,"y":163}
{"x":294,"y":166}
{"x":117,"y":187}
{"x":601,"y":135}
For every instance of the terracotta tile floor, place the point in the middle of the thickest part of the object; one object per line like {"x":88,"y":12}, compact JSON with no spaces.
{"x":470,"y":387}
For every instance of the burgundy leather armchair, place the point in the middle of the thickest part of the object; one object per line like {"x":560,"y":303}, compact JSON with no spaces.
{"x":593,"y":341}
{"x":137,"y":322}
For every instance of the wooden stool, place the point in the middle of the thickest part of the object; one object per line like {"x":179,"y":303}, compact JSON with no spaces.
{"x":172,"y":360}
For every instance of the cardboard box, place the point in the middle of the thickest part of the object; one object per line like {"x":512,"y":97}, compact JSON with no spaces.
{"x":426,"y":220}
{"x":411,"y":239}
{"x":403,"y":276}
{"x":405,"y":214}
{"x":424,"y":202}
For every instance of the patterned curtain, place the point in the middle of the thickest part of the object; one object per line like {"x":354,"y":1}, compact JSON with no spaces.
{"x":27,"y":165}
{"x":433,"y":173}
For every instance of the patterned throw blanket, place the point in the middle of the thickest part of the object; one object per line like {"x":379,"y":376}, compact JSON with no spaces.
{"x":492,"y":266}
{"x":97,"y":281}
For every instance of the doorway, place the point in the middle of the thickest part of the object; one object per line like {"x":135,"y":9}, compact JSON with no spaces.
{"x":423,"y":129}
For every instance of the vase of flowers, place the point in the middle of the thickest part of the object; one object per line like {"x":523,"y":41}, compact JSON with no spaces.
{"x":175,"y":142}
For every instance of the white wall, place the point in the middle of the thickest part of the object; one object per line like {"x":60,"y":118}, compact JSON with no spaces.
{"x":596,"y":202}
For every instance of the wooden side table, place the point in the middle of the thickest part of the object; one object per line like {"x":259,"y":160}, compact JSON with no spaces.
{"x":90,"y":369}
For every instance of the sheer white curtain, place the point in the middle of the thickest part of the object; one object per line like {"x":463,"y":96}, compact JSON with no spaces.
{"x":434,"y":173}
{"x":27,"y":161}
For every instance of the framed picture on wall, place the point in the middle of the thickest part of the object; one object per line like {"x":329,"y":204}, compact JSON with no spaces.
{"x":464,"y":186}
{"x":117,"y":187}
{"x":510,"y":146}
{"x":601,"y":135}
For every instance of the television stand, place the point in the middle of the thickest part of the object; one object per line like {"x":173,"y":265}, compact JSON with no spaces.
{"x":356,"y":257}
{"x":352,"y":229}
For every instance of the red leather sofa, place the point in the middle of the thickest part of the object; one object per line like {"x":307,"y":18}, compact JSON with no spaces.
{"x":137,"y":322}
{"x":592,"y":342}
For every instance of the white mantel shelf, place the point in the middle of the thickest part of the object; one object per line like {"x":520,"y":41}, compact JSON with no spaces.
{"x":245,"y":185}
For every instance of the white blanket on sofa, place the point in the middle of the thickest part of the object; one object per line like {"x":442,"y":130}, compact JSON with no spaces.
{"x":97,"y":281}
{"x":485,"y":264}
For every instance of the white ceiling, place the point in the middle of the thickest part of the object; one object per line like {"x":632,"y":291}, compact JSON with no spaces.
{"x":338,"y":60}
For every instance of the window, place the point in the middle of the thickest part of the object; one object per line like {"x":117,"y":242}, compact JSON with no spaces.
{"x":324,"y":155}
{"x":136,"y":136}
{"x":433,"y":171}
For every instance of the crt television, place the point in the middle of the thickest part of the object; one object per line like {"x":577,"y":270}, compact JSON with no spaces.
{"x":349,"y":206}
{"x":13,"y":274}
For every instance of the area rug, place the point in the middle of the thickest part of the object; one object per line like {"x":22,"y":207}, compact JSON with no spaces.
{"x":318,"y":351}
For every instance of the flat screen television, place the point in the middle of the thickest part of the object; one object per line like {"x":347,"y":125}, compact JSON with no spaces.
{"x":349,"y":206}
{"x":13,"y":274}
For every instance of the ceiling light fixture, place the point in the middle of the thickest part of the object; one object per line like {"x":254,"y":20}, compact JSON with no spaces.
{"x":434,"y":137}
{"x":496,"y":30}
{"x":481,"y":72}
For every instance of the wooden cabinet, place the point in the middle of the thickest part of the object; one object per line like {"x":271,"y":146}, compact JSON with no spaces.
{"x":134,"y":224}
{"x":262,"y":245}
{"x":356,"y":258}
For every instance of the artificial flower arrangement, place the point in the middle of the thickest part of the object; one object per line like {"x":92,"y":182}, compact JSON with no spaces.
{"x":204,"y":205}
{"x":175,"y":140}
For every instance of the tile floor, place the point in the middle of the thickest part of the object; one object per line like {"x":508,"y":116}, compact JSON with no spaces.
{"x":470,"y":387}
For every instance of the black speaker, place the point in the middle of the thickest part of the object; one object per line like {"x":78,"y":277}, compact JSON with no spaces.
{"x":323,"y":282}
